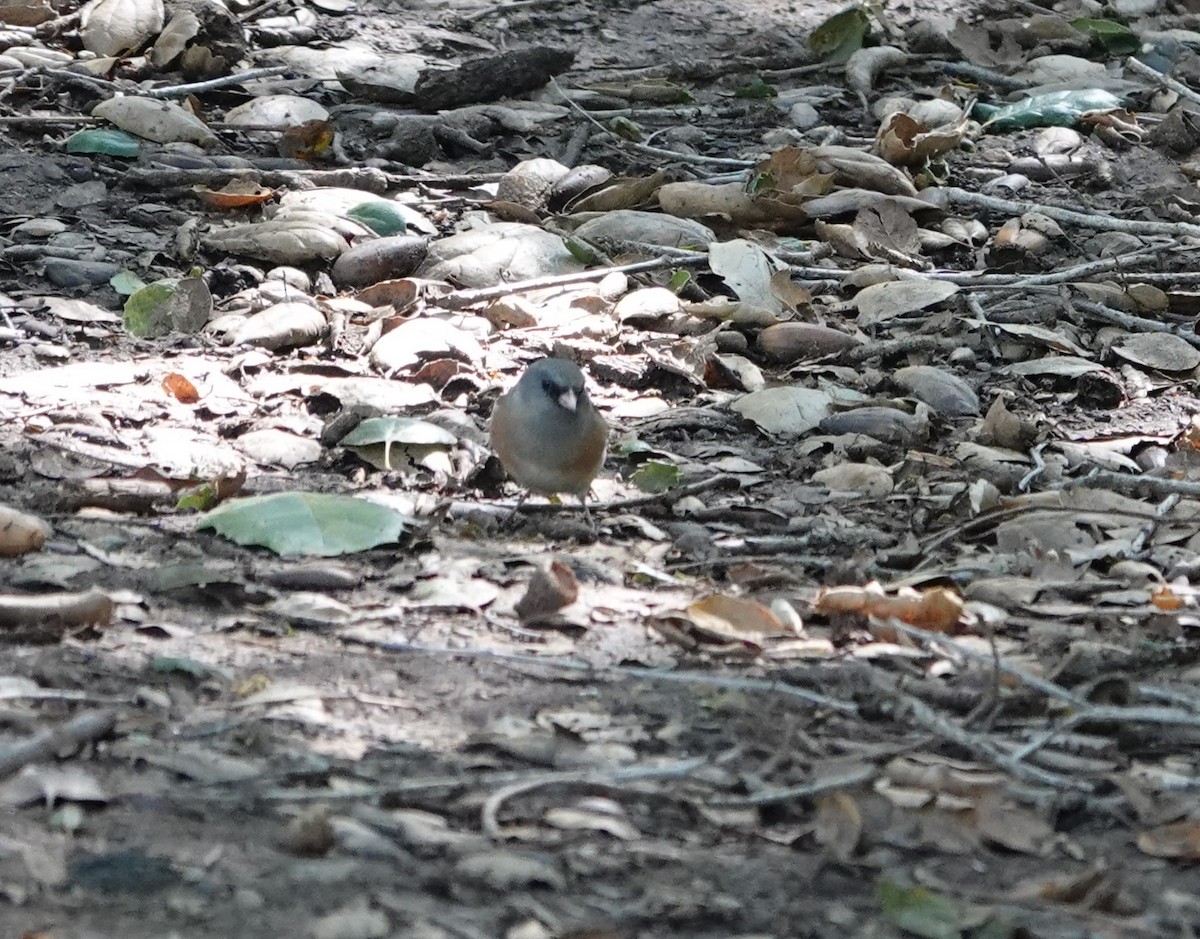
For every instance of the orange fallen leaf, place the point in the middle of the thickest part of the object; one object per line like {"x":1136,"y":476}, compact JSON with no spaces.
{"x":1165,"y":599}
{"x":180,"y":388}
{"x":1179,"y":840}
{"x":236,"y":194}
{"x":734,"y":618}
{"x":937,"y":608}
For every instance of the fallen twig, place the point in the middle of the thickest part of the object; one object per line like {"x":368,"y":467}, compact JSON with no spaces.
{"x":80,"y":729}
{"x":1138,"y":67}
{"x":853,"y":777}
{"x":1141,"y":324}
{"x":1048,"y":688}
{"x":223,"y":81}
{"x":593,"y":777}
{"x":904,"y":708}
{"x":694,"y":158}
{"x":466,"y":298}
{"x":1093,"y":220}
{"x":1125,"y":483}
{"x":67,"y":609}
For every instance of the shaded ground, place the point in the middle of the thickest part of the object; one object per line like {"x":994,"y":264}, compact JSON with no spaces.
{"x":374,"y":746}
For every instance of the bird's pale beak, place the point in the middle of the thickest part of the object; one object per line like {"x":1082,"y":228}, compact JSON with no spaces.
{"x":568,"y":400}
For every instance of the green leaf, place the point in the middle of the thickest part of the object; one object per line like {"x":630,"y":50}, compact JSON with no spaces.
{"x":383,"y":218}
{"x":405,"y":430}
{"x":1055,"y":109}
{"x":656,"y":476}
{"x":146,"y":310}
{"x":197,"y":499}
{"x":182,"y":305}
{"x":756,"y":88}
{"x":625,"y":128}
{"x":580,"y":251}
{"x":841,"y":35}
{"x":920,"y":911}
{"x":106,"y":140}
{"x":1115,"y":37}
{"x":680,"y":279}
{"x":126,"y":282}
{"x":306,"y":523}
{"x":631,"y":445}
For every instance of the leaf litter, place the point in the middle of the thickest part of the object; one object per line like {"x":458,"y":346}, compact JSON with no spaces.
{"x":894,"y":321}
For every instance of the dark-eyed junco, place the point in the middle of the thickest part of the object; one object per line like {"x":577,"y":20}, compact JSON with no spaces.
{"x":546,"y":432}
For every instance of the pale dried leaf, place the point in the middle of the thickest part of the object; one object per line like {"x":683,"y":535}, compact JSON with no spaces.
{"x":118,"y":27}
{"x":155,"y":119}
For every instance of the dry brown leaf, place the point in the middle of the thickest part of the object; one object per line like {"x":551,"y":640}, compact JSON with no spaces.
{"x":236,"y":194}
{"x":119,"y":27}
{"x":839,"y":825}
{"x":907,"y":142}
{"x":937,"y":609}
{"x":788,"y":342}
{"x":1178,"y":840}
{"x":1165,"y":599}
{"x":1001,"y":821}
{"x":26,"y":12}
{"x":180,"y":388}
{"x":1002,"y":428}
{"x":20,"y":532}
{"x":734,"y":619}
{"x":730,"y":201}
{"x":845,"y":240}
{"x":887,"y":226}
{"x":550,"y":589}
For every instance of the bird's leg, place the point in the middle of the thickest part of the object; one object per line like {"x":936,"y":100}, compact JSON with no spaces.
{"x":587,"y":514}
{"x":508,"y":519}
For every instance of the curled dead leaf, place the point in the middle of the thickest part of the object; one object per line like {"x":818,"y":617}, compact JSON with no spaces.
{"x":20,"y":532}
{"x":236,"y":194}
{"x":937,"y":609}
{"x":550,"y":589}
{"x":905,"y":141}
{"x":839,"y":825}
{"x":180,"y":388}
{"x":866,"y":65}
{"x":1165,"y":599}
{"x":734,"y":619}
{"x":1178,"y":840}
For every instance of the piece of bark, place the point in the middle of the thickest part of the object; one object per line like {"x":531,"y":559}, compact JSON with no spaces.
{"x":491,"y":77}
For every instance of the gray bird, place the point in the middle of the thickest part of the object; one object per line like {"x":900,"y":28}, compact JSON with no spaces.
{"x":547,"y":434}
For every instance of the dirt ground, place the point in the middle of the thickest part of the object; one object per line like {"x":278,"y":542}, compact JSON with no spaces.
{"x":373,"y":745}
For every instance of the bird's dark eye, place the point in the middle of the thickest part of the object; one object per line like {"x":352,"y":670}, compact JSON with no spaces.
{"x":549,"y":387}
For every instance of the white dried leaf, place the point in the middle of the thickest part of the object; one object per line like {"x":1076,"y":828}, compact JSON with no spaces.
{"x":1162,"y":351}
{"x":152,"y":119}
{"x":116,"y":27}
{"x":747,"y":269}
{"x":282,"y":325}
{"x":278,"y":242}
{"x":882,"y":302}
{"x":860,"y":478}
{"x":36,"y":56}
{"x":174,"y":40}
{"x":943,"y":391}
{"x":784,"y":410}
{"x":493,"y":254}
{"x":280,"y":110}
